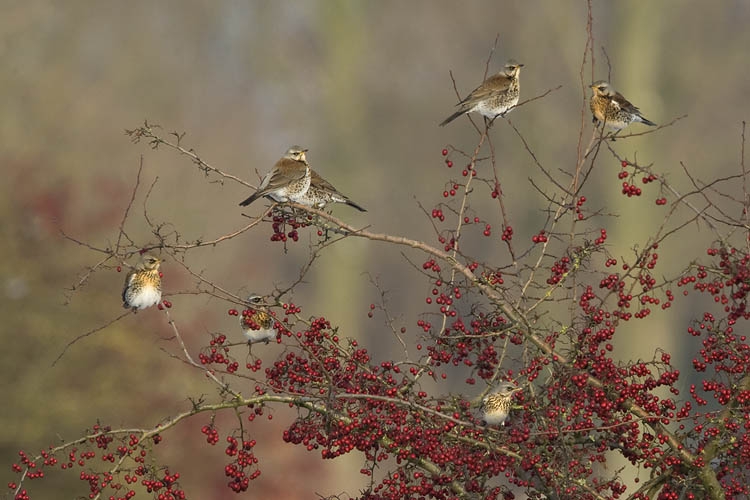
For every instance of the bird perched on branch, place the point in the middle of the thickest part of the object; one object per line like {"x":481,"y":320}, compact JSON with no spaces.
{"x":256,"y":322}
{"x":609,"y":107}
{"x":143,"y":284}
{"x":288,"y":180}
{"x":494,"y":97}
{"x":322,"y":192}
{"x":496,"y":405}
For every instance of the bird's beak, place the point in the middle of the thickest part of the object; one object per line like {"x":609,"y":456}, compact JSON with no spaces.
{"x":516,"y":390}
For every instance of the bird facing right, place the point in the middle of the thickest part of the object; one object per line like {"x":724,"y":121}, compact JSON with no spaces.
{"x":496,"y":405}
{"x":495,"y":96}
{"x":143,"y":284}
{"x":288,"y":180}
{"x":256,"y":322}
{"x":609,"y":107}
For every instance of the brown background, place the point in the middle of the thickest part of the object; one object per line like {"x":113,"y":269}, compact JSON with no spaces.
{"x":363,"y":85}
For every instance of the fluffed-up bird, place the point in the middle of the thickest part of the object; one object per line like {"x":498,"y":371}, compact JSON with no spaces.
{"x":609,"y":107}
{"x":288,"y":180}
{"x":322,"y":192}
{"x":143,"y":284}
{"x":256,"y":322}
{"x":495,"y":96}
{"x":496,"y":405}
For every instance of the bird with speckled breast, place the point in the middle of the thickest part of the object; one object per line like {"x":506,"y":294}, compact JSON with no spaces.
{"x":143,"y":284}
{"x":256,"y":322}
{"x":610,"y":107}
{"x":497,"y":404}
{"x":288,"y":180}
{"x":496,"y":96}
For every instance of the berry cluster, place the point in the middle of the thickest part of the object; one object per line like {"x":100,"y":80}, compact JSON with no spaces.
{"x":129,"y":451}
{"x":286,"y":225}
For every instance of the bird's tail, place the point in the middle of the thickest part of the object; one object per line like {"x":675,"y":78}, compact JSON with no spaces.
{"x":250,"y":199}
{"x":340,"y":198}
{"x":452,"y":117}
{"x":352,"y":204}
{"x":647,"y":122}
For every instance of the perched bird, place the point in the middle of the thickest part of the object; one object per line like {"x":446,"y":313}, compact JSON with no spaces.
{"x":611,"y":108}
{"x":495,"y":96}
{"x":322,"y":192}
{"x":288,"y":180}
{"x":496,"y":405}
{"x":256,"y":322}
{"x":143,"y":284}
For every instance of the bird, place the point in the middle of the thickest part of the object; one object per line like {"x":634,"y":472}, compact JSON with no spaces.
{"x":288,"y":180}
{"x":611,"y":108}
{"x":496,"y":405}
{"x":495,"y":96}
{"x":256,"y":322}
{"x":322,"y":192}
{"x":143,"y":284}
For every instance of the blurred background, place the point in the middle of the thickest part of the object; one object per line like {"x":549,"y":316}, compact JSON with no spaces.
{"x":363,"y":85}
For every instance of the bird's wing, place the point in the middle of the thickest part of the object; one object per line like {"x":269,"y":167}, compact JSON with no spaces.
{"x":284,"y":172}
{"x":494,"y":85}
{"x":623,"y":103}
{"x":319,"y":182}
{"x":128,"y":280}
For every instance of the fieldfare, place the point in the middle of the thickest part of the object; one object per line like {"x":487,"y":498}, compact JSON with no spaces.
{"x":322,"y":192}
{"x":288,"y":180}
{"x":256,"y":322}
{"x":495,"y":96}
{"x":143,"y":284}
{"x":496,"y":405}
{"x":609,"y":107}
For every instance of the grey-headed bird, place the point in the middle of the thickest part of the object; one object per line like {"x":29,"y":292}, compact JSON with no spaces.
{"x":288,"y":180}
{"x":609,"y":107}
{"x":496,"y":405}
{"x":494,"y":97}
{"x":256,"y":322}
{"x":143,"y":284}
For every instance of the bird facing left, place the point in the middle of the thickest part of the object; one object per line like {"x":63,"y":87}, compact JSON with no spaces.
{"x":143,"y":284}
{"x":610,"y":107}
